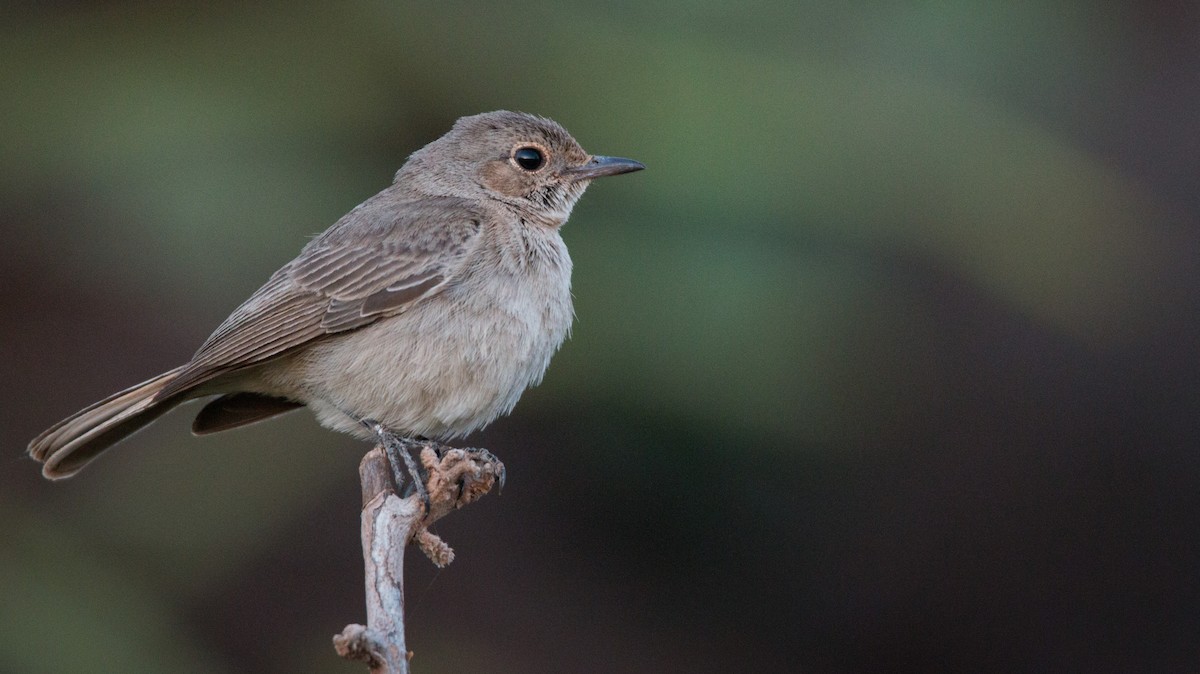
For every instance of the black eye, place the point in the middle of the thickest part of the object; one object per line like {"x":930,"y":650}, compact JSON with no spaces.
{"x":529,"y":158}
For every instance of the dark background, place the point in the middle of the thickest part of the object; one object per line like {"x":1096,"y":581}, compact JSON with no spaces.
{"x":888,"y":362}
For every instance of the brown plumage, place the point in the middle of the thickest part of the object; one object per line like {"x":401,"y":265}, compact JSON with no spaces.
{"x":429,"y":308}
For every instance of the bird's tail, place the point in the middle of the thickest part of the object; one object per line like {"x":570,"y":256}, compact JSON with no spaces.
{"x":69,"y":445}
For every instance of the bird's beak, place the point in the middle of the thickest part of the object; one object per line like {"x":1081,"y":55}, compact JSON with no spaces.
{"x":604,"y":166}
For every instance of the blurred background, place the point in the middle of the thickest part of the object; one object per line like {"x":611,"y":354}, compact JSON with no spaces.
{"x":888,"y":362}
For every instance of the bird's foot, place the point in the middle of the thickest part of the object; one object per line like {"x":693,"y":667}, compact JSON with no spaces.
{"x":459,"y":476}
{"x":399,"y":453}
{"x":501,"y":473}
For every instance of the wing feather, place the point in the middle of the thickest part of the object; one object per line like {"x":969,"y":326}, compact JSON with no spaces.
{"x":332,"y":287}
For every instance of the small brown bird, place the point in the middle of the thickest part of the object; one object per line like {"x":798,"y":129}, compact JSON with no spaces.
{"x":424,"y":312}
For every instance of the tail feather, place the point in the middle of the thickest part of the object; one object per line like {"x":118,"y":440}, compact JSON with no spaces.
{"x":72,"y":443}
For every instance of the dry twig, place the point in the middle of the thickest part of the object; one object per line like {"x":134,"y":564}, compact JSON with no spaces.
{"x":389,"y":522}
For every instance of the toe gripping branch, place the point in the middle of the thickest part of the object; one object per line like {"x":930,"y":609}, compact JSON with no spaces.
{"x":446,"y":480}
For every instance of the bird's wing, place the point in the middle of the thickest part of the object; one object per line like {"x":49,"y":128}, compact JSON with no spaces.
{"x":332,"y":287}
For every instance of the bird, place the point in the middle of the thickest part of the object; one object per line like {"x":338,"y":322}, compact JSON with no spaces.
{"x":424,"y":312}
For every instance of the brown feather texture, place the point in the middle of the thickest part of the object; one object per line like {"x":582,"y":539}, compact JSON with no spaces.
{"x":428,"y":308}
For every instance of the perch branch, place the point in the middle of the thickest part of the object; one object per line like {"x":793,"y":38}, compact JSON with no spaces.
{"x":458,"y":477}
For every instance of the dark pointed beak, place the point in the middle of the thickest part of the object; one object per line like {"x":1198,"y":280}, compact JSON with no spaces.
{"x":599,"y":167}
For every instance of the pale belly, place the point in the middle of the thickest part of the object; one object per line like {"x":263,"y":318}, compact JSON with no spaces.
{"x":446,"y":367}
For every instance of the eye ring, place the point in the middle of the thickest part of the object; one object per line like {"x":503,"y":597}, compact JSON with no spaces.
{"x":529,"y":157}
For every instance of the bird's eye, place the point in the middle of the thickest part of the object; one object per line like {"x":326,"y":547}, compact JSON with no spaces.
{"x":529,"y":158}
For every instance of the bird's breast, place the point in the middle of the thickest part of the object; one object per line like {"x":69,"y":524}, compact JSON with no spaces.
{"x":454,"y":361}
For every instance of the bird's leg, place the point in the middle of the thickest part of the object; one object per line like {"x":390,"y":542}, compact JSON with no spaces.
{"x":399,"y":451}
{"x":438,"y":448}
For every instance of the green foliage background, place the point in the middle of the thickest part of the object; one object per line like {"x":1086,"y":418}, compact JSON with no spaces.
{"x":887,"y":362}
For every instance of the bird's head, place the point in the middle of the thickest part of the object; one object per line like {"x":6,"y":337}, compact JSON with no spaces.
{"x":528,"y":162}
